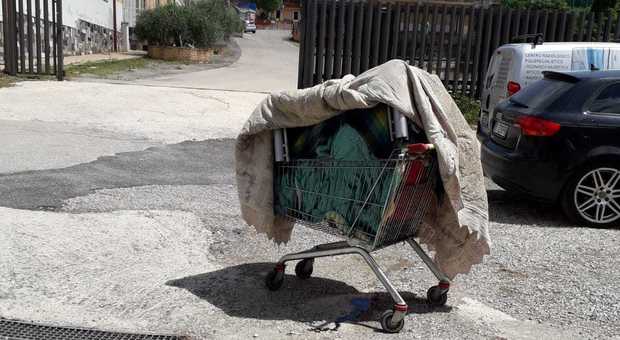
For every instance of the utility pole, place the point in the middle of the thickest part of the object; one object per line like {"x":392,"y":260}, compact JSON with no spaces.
{"x":115,"y":47}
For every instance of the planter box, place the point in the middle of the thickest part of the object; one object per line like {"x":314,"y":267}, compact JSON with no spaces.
{"x":195,"y":55}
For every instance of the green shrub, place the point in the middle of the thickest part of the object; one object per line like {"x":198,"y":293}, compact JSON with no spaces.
{"x":198,"y":24}
{"x":268,"y":6}
{"x":536,"y":4}
{"x":470,"y":108}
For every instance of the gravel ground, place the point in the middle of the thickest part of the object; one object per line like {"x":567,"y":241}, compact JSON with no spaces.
{"x":545,"y":278}
{"x":534,"y":275}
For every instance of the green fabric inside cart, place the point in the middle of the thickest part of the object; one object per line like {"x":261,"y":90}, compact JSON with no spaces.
{"x":335,"y":191}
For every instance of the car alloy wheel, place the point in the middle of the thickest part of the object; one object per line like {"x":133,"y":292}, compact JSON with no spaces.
{"x":597,"y":195}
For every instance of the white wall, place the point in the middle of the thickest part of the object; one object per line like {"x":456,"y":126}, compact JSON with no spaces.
{"x":130,"y":11}
{"x":98,"y":12}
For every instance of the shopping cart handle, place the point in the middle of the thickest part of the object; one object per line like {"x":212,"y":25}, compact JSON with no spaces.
{"x":419,"y":148}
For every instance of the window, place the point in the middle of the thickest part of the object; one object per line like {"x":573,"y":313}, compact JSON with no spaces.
{"x":608,"y":101}
{"x":541,"y":94}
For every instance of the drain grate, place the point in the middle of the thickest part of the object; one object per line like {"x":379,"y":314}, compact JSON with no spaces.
{"x":20,"y":330}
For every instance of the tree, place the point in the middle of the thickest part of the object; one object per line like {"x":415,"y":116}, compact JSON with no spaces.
{"x":268,"y":5}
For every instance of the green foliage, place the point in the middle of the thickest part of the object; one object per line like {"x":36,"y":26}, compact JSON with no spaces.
{"x":602,"y":5}
{"x":105,"y":68}
{"x":199,"y":24}
{"x":6,"y":80}
{"x":469,"y":107}
{"x":536,"y":4}
{"x":268,"y":5}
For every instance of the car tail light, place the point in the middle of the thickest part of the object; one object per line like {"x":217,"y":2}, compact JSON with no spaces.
{"x":513,"y":87}
{"x":532,"y":126}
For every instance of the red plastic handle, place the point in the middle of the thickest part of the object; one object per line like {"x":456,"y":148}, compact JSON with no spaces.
{"x":419,"y":148}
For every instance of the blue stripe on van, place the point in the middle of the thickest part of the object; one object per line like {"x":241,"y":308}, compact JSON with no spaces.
{"x":595,"y":57}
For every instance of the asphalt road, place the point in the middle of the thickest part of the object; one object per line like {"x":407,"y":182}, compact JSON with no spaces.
{"x":268,"y":62}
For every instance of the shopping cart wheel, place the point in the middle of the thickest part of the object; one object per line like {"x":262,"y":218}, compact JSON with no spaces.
{"x":274,"y":279}
{"x":303,"y":269}
{"x":386,"y":322}
{"x":437,"y":296}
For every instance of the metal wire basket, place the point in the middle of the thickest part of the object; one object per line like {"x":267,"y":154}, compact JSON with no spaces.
{"x":372,"y":203}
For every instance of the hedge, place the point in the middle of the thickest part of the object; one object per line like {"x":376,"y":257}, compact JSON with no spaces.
{"x":198,"y":24}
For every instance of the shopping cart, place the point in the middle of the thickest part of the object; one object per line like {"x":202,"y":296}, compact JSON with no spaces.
{"x":371,"y":204}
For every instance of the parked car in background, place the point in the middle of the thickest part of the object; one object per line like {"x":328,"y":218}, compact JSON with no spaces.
{"x":513,"y":67}
{"x":249,"y":26}
{"x":558,"y":140}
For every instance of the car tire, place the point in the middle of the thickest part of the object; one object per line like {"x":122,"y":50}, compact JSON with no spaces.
{"x":592,"y":196}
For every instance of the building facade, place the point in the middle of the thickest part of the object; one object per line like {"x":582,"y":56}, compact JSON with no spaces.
{"x":88,"y":25}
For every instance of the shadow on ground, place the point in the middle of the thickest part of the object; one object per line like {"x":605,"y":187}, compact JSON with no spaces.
{"x":512,"y":208}
{"x":240,"y":292}
{"x":198,"y":163}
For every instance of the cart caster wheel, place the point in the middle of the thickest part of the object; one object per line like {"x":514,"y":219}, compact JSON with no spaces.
{"x":436,"y":297}
{"x":274,"y":279}
{"x":303,"y":269}
{"x":387,"y":325}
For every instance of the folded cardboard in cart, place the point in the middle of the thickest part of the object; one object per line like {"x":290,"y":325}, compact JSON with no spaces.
{"x":456,"y":228}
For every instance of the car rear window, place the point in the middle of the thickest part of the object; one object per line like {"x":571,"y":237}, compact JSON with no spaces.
{"x":541,"y":94}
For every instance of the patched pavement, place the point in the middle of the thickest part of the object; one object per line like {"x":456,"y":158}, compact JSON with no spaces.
{"x":153,"y":241}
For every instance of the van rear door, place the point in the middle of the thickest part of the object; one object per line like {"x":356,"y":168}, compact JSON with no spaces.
{"x":494,"y":88}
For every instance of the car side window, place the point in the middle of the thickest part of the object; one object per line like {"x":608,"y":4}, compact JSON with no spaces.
{"x":608,"y":100}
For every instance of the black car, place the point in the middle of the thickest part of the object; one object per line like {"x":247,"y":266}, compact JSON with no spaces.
{"x":558,"y":140}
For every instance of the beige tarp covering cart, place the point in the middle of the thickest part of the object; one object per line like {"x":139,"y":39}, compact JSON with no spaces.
{"x":456,"y":225}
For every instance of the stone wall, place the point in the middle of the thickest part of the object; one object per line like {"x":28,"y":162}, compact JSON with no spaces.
{"x":195,"y":55}
{"x":1,"y":44}
{"x":87,"y":38}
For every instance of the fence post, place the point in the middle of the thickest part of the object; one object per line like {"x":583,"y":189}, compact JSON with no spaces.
{"x":9,"y":24}
{"x":357,"y":42}
{"x":331,"y":36}
{"x":457,"y":63}
{"x":320,"y":50}
{"x":60,"y":69}
{"x":302,"y":44}
{"x":310,"y":39}
{"x":367,"y":43}
{"x":339,"y":41}
{"x":562,"y":31}
{"x":617,"y":31}
{"x":440,"y":48}
{"x":470,"y":36}
{"x":607,"y":27}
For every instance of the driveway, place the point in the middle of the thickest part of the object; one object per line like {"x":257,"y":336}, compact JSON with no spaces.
{"x":268,"y":62}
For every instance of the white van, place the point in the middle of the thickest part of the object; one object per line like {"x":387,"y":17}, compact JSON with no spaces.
{"x":515,"y":66}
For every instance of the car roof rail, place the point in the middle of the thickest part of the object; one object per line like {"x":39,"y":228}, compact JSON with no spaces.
{"x":537,"y":38}
{"x":560,"y":76}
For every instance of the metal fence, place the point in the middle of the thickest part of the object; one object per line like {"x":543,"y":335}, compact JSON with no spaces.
{"x":453,"y":41}
{"x":33,"y":38}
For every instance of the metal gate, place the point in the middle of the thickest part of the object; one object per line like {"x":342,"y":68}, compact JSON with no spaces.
{"x":33,"y":37}
{"x":453,"y":41}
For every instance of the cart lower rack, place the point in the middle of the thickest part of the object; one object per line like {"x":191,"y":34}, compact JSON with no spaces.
{"x":371,"y":204}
